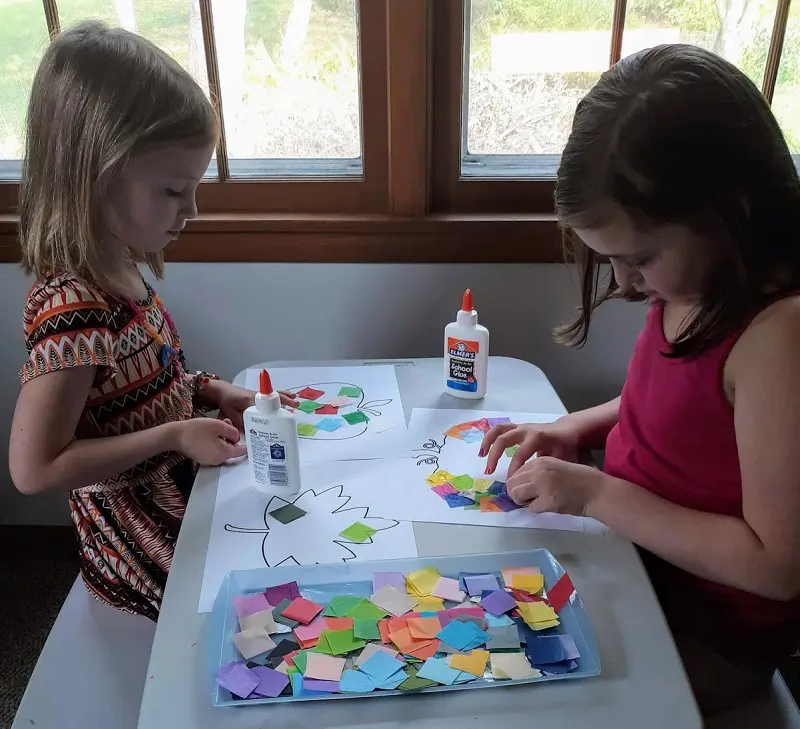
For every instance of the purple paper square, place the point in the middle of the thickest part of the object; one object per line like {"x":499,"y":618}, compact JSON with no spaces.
{"x":476,"y":584}
{"x":571,"y":651}
{"x":312,"y":684}
{"x":505,"y":503}
{"x":395,"y":579}
{"x":276,"y":595}
{"x":250,"y":604}
{"x":498,"y":602}
{"x":237,"y":678}
{"x":444,"y":617}
{"x":497,"y":421}
{"x":270,"y":683}
{"x":444,"y":489}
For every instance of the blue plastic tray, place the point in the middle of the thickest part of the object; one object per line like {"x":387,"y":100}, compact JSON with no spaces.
{"x":321,"y":582}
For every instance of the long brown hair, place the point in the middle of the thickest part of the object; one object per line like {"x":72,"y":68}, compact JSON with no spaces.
{"x":677,"y":135}
{"x":99,"y":96}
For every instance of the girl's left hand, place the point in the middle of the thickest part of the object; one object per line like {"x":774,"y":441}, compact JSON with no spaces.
{"x":552,"y":485}
{"x":232,"y":401}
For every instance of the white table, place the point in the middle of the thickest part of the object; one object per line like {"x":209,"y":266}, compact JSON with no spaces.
{"x":642,"y":683}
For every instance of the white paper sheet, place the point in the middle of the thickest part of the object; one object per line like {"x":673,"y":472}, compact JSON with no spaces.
{"x":379,"y":401}
{"x":245,"y":536}
{"x":397,"y":488}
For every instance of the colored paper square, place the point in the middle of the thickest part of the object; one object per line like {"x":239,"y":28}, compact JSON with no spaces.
{"x":472,"y":436}
{"x":309,"y":393}
{"x":366,"y":629}
{"x":506,"y":503}
{"x":393,"y":681}
{"x":545,"y":649}
{"x":560,"y":593}
{"x":455,"y":501}
{"x":436,"y":669}
{"x":366,"y":610}
{"x":497,"y":421}
{"x":424,"y":628}
{"x":395,"y":579}
{"x":371,"y":649}
{"x":271,"y":683}
{"x":437,"y":478}
{"x":383,"y":629}
{"x":329,"y":425}
{"x":402,"y":639}
{"x":310,"y":632}
{"x":429,"y":604}
{"x":509,"y":572}
{"x":476,"y":584}
{"x":250,"y":604}
{"x":343,"y":641}
{"x":571,"y":651}
{"x":413,"y":682}
{"x":339,"y":401}
{"x":252,"y":643}
{"x":356,"y":417}
{"x":302,"y":610}
{"x":287,"y":514}
{"x":444,"y":490}
{"x":380,"y":666}
{"x":327,"y":409}
{"x":498,"y":602}
{"x":511,"y":452}
{"x":358,"y":533}
{"x":458,"y":634}
{"x":423,"y":650}
{"x":340,"y":605}
{"x":326,"y":687}
{"x":307,"y":430}
{"x":481,"y":485}
{"x":497,"y":488}
{"x":393,"y":601}
{"x":350,"y":391}
{"x":554,"y":669}
{"x":498,"y":621}
{"x":298,"y":689}
{"x":355,"y":682}
{"x":487,"y":505}
{"x":262,"y":620}
{"x":473,"y":662}
{"x":536,"y":612}
{"x":338,"y":623}
{"x":502,"y":638}
{"x":237,"y":678}
{"x":309,"y":406}
{"x":421,"y":582}
{"x":448,"y":589}
{"x":324,"y":668}
{"x":532,"y":584}
{"x":512,"y":666}
{"x":462,"y":483}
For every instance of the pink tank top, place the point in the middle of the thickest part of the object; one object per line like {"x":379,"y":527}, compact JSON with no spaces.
{"x":676,"y":438}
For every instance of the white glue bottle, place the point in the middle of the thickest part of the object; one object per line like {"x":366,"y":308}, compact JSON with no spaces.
{"x":466,"y":353}
{"x":273,"y":448}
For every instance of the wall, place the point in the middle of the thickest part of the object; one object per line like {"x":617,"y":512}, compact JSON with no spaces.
{"x":235,"y":315}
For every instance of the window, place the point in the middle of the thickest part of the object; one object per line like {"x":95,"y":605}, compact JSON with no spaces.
{"x":392,"y":130}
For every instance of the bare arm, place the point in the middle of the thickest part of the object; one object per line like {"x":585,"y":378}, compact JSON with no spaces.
{"x":759,"y":553}
{"x":44,"y":456}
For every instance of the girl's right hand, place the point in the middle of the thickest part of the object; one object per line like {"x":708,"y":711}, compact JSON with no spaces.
{"x":208,"y":441}
{"x":560,"y":439}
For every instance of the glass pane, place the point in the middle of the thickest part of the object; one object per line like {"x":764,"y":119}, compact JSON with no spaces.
{"x":23,"y":38}
{"x":739,"y":30}
{"x":290,"y":80}
{"x":530,"y":62}
{"x":786,"y":100}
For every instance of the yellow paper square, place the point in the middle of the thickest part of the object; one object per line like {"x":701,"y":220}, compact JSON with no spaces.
{"x":438,"y":478}
{"x":422,"y":582}
{"x":481,"y":485}
{"x":512,"y":665}
{"x":529,"y":583}
{"x":543,"y":626}
{"x":474,"y":662}
{"x":536,"y":612}
{"x":509,"y":572}
{"x":429,"y":604}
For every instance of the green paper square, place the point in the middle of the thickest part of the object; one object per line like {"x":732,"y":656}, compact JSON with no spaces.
{"x":287,"y":514}
{"x":301,"y":660}
{"x":309,"y":406}
{"x":462,"y":483}
{"x":472,"y":507}
{"x":291,"y":671}
{"x":323,"y":645}
{"x":355,"y":417}
{"x":366,"y":611}
{"x":358,"y":533}
{"x":350,"y":391}
{"x":307,"y":429}
{"x":366,"y":629}
{"x":343,"y":641}
{"x":414,"y":682}
{"x":510,"y":451}
{"x":341,"y":604}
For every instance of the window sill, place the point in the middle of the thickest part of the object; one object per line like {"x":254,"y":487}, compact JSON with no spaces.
{"x":353,"y":239}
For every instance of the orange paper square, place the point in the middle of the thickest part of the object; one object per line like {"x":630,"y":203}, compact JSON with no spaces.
{"x":424,"y":628}
{"x":487,"y":505}
{"x":339,"y":623}
{"x":424,"y":649}
{"x":383,"y":627}
{"x":402,"y":639}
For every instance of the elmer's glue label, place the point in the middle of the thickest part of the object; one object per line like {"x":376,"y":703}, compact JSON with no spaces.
{"x":466,"y":353}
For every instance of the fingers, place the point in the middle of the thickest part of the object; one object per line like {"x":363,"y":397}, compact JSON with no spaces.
{"x":527,"y":449}
{"x":495,"y":442}
{"x":228,"y":431}
{"x":287,"y":398}
{"x":235,"y":450}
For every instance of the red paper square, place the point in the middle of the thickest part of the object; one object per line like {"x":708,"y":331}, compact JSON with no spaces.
{"x":559,"y":594}
{"x":309,"y":393}
{"x":383,"y":627}
{"x":327,"y":410}
{"x":302,"y":610}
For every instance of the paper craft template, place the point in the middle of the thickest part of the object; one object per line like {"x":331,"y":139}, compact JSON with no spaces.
{"x":245,"y":534}
{"x":344,"y":412}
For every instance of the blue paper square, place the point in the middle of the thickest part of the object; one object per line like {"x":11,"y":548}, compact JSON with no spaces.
{"x":476,"y":584}
{"x":555,"y":669}
{"x":457,"y":500}
{"x":498,"y":621}
{"x":436,"y":669}
{"x":393,"y":681}
{"x":380,"y":666}
{"x":542,"y":651}
{"x":330,"y":424}
{"x":472,"y":436}
{"x":355,"y":682}
{"x":462,"y":636}
{"x":498,"y":487}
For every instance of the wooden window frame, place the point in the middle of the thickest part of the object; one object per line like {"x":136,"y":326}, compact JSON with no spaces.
{"x":413,"y":203}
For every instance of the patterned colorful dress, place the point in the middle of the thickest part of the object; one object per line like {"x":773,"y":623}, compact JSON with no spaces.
{"x":127,"y":525}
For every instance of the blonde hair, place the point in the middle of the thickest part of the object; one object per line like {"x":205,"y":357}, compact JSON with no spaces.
{"x":100,"y":95}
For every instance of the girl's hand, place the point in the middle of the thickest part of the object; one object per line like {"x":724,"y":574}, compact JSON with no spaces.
{"x":552,"y":485}
{"x":559,"y":439}
{"x":208,"y":441}
{"x":232,"y":401}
